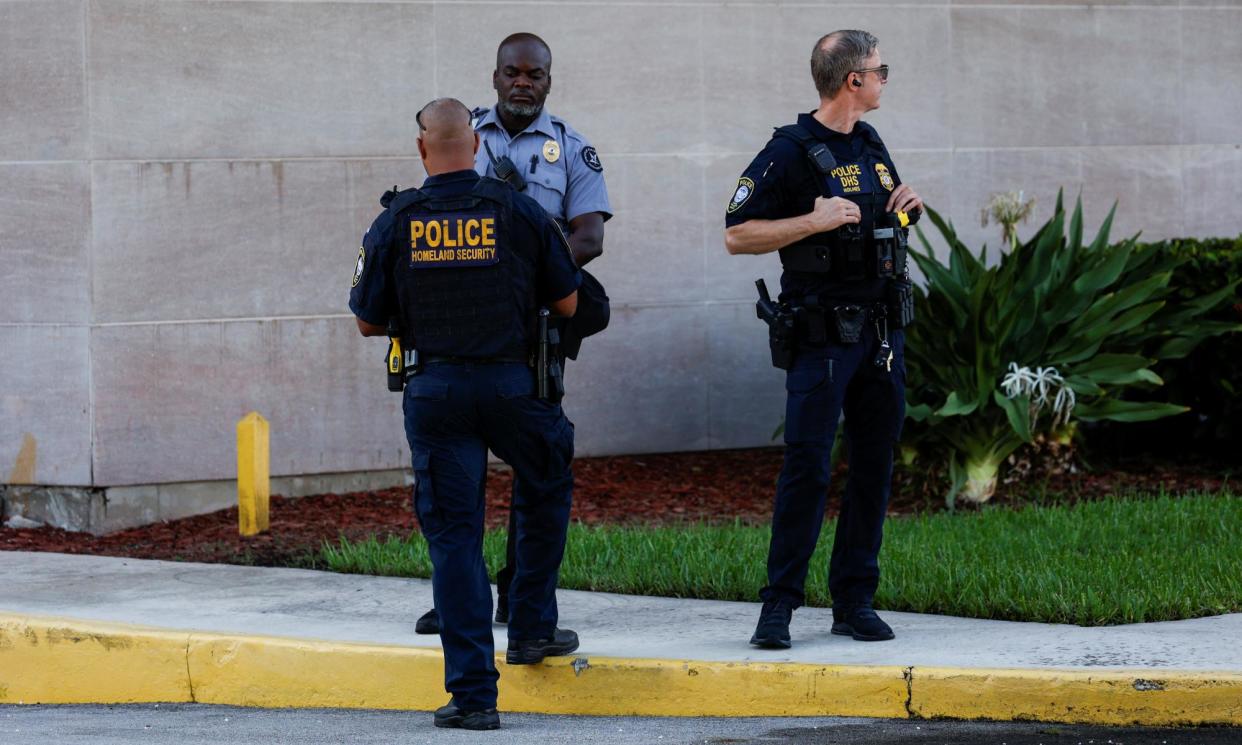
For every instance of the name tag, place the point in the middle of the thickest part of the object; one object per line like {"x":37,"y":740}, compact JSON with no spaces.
{"x":453,"y":240}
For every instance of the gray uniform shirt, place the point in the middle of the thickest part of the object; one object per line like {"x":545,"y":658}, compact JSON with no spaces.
{"x":563,"y":172}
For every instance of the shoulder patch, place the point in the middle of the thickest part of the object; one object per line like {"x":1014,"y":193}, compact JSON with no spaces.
{"x":591,"y":158}
{"x":362,"y":261}
{"x":745,"y":187}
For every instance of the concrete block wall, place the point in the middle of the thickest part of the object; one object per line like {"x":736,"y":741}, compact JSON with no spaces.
{"x":183,"y":186}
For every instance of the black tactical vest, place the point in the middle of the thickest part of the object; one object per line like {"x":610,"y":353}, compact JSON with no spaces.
{"x":462,"y":284}
{"x":848,"y":253}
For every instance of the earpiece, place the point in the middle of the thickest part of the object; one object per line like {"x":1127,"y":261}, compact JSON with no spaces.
{"x":856,"y":83}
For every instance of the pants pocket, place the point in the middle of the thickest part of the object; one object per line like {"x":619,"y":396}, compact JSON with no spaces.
{"x":560,"y":440}
{"x":424,"y":488}
{"x":808,"y":401}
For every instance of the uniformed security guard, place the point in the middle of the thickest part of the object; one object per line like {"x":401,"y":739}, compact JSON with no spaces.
{"x":552,"y":163}
{"x":464,"y":263}
{"x":826,"y":194}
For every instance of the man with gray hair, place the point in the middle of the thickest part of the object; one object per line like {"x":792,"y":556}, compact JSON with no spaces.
{"x":824,"y":193}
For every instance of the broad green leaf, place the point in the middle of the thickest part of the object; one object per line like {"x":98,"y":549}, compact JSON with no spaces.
{"x":917,"y":412}
{"x":1083,"y":386}
{"x":1126,"y":411}
{"x":1018,"y":411}
{"x":954,"y":406}
{"x":1133,"y":317}
{"x":1108,"y":363}
{"x":1127,"y":297}
{"x":1075,"y":236}
{"x":1104,"y":273}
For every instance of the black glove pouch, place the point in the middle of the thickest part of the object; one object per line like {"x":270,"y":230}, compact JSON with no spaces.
{"x":849,"y":322}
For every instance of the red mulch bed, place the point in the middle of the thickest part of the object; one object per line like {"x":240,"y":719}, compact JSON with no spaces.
{"x":664,"y":488}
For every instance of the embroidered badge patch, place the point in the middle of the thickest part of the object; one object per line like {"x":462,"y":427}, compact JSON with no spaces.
{"x":362,"y":260}
{"x":745,"y":187}
{"x":591,"y":158}
{"x":886,"y":178}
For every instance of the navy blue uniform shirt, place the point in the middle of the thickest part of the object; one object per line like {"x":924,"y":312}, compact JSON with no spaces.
{"x":780,"y":183}
{"x":374,"y":295}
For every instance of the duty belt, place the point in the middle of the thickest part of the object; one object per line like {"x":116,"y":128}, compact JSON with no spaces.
{"x":448,"y":360}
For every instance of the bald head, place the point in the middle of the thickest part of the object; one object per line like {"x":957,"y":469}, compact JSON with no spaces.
{"x":446,"y":141}
{"x":527,"y":43}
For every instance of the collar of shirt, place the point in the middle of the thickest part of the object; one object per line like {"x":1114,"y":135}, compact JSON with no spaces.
{"x":819,"y":131}
{"x":542,"y":124}
{"x":452,"y":181}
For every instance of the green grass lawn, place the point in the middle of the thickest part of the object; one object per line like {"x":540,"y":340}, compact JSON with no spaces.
{"x":1118,"y":560}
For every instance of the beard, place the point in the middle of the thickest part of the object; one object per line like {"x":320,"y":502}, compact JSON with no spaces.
{"x":519,"y":110}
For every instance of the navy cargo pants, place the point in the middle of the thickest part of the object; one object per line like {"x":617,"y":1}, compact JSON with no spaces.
{"x":822,"y":383}
{"x":455,"y":412}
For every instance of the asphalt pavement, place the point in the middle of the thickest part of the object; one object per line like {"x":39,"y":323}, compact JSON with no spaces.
{"x":194,"y":724}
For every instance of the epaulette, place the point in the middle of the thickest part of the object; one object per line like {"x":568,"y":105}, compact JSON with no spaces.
{"x":476,"y":116}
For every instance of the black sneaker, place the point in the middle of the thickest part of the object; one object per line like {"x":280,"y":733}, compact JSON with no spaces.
{"x":428,"y":623}
{"x":531,"y":651}
{"x":772,"y":631}
{"x":502,"y":609}
{"x":451,"y":717}
{"x":862,"y":623}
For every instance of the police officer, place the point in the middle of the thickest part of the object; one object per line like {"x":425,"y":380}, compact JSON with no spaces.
{"x":464,"y":263}
{"x":549,"y":161}
{"x":825,"y":193}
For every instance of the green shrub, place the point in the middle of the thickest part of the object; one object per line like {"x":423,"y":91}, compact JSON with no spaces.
{"x":1058,"y":331}
{"x":1209,"y":379}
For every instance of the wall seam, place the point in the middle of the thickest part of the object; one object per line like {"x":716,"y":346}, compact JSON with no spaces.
{"x":1181,"y":123}
{"x":90,"y":242}
{"x":709,"y":421}
{"x":952,"y":148}
{"x":948,"y":90}
{"x":435,"y":51}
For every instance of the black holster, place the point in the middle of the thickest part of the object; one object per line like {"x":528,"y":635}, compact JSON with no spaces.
{"x":549,"y":376}
{"x":781,"y":321}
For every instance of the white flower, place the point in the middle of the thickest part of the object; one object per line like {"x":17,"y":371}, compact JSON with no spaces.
{"x":1040,"y":385}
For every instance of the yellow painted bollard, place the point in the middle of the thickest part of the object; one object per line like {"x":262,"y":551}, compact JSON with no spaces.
{"x":253,"y":474}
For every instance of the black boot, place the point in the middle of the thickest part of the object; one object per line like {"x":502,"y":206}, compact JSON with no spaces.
{"x":502,"y":608}
{"x":531,"y":651}
{"x":428,"y":623}
{"x":772,"y":631}
{"x":449,"y":716}
{"x":862,"y":623}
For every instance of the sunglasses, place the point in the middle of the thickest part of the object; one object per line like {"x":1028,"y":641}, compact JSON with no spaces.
{"x":882,"y":70}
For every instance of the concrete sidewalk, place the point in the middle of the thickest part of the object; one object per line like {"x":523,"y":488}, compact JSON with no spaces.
{"x":87,"y":629}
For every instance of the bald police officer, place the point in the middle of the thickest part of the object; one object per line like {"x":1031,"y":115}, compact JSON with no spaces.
{"x":543,"y":157}
{"x":464,"y":263}
{"x":825,"y":193}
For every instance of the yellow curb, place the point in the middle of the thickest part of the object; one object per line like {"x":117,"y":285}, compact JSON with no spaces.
{"x":52,"y":660}
{"x":1146,"y":697}
{"x":278,"y":673}
{"x":61,"y":661}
